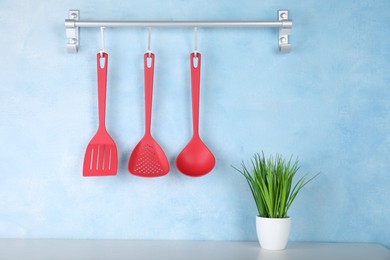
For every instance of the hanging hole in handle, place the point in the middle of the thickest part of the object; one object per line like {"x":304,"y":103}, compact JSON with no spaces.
{"x":149,"y":61}
{"x":195,"y":61}
{"x":102,"y":62}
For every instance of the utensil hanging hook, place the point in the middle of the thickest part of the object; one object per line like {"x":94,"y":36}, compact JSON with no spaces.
{"x":102,"y":41}
{"x":149,"y":51}
{"x":195,"y":41}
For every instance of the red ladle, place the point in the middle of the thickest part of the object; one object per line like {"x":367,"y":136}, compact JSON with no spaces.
{"x":195,"y":159}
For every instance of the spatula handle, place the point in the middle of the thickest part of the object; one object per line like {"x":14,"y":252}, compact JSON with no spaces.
{"x":148,"y":77}
{"x":102,"y":86}
{"x":195,"y":88}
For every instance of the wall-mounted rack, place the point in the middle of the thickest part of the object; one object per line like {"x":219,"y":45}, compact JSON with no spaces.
{"x":73,"y":24}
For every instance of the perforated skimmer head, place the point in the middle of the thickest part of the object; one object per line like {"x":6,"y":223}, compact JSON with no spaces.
{"x":148,"y":159}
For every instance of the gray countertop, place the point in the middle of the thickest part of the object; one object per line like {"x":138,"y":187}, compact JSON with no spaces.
{"x":37,"y":249}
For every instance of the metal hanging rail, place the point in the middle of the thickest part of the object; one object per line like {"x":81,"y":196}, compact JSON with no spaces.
{"x":73,"y":23}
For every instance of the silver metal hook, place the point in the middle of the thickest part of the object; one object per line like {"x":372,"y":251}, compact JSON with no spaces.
{"x":195,"y":41}
{"x":102,"y":41}
{"x":149,"y":39}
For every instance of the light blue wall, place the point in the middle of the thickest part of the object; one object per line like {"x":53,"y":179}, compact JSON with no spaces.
{"x":327,"y":102}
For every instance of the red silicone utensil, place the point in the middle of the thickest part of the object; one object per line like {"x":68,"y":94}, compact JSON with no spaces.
{"x":101,"y":157}
{"x":147,"y":158}
{"x":195,"y":159}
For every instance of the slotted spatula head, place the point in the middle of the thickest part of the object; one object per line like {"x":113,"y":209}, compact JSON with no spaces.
{"x":101,"y":156}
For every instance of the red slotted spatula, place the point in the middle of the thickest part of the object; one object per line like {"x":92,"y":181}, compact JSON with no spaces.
{"x":101,"y":157}
{"x":147,"y":158}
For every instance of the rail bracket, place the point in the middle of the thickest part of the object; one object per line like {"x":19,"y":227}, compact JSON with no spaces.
{"x":284,"y":31}
{"x":72,"y":31}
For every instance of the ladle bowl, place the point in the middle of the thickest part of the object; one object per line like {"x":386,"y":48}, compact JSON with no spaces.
{"x":195,"y":159}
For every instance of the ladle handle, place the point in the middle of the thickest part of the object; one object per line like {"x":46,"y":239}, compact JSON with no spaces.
{"x":195,"y":88}
{"x":148,"y":78}
{"x":102,"y":86}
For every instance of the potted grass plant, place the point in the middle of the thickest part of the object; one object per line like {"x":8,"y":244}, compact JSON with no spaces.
{"x":274,"y":188}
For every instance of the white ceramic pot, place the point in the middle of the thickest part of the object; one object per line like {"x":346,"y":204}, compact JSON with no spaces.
{"x":273,"y":233}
